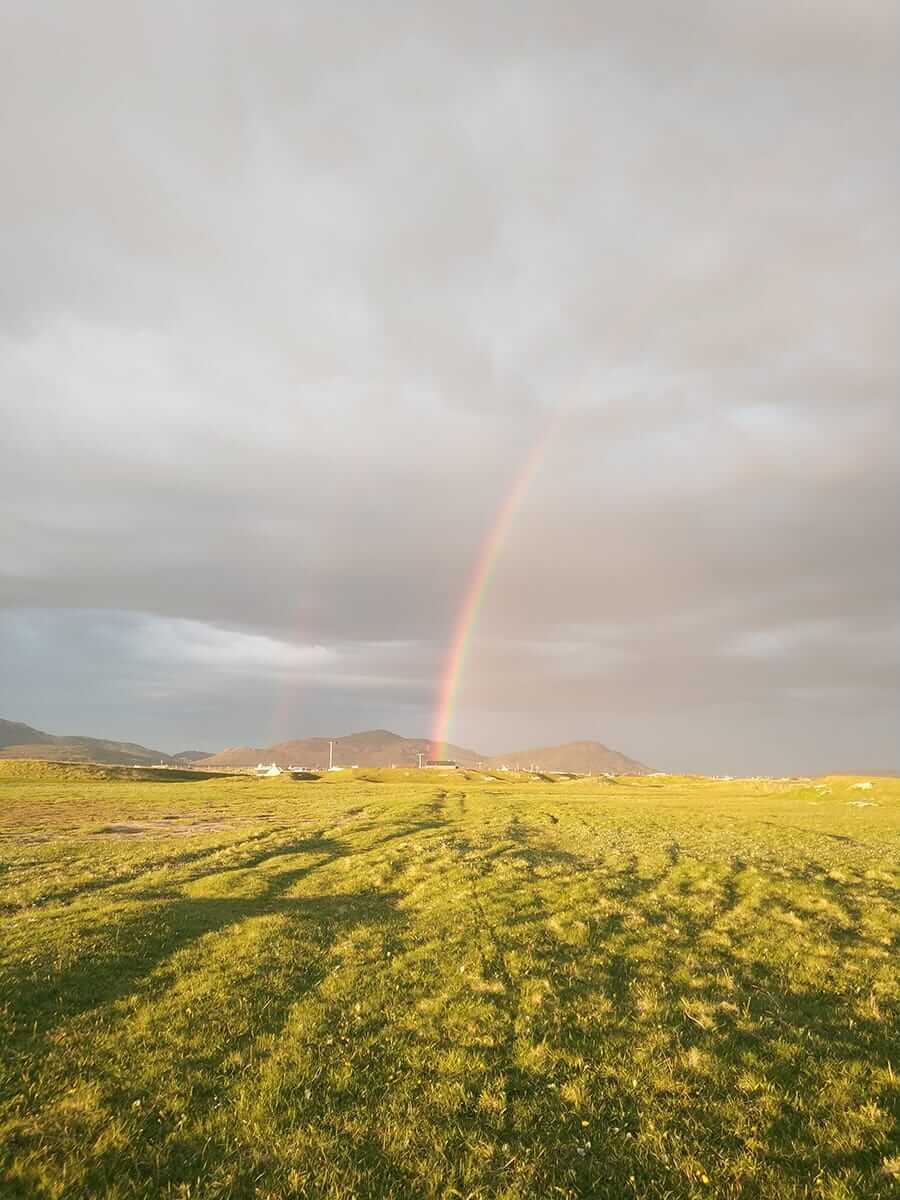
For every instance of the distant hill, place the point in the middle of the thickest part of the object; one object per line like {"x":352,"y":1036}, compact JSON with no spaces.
{"x":22,"y":741}
{"x":381,"y":748}
{"x":579,"y":757}
{"x":14,"y":733}
{"x":373,"y":748}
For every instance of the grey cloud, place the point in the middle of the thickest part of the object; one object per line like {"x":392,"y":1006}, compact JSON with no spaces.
{"x":287,"y":298}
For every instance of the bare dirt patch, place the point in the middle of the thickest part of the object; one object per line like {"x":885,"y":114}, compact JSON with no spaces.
{"x":164,"y":828}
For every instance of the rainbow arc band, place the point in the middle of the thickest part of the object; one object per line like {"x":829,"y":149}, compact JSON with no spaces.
{"x":476,"y":590}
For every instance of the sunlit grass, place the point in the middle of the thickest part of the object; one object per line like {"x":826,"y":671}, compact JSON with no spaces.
{"x":465,"y":987}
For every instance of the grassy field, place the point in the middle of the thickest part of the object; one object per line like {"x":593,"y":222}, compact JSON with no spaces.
{"x":377,"y":985}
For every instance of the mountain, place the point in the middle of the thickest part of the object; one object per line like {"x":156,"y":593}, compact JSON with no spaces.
{"x":372,"y":748}
{"x":22,"y":741}
{"x":579,"y":757}
{"x":381,"y":748}
{"x":14,"y":733}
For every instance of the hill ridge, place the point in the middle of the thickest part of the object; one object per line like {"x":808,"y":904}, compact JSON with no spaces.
{"x":18,"y":740}
{"x":367,"y":748}
{"x":382,"y":748}
{"x":364,"y":748}
{"x":583,"y":756}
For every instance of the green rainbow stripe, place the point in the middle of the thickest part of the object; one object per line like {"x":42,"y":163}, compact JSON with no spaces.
{"x":476,"y":590}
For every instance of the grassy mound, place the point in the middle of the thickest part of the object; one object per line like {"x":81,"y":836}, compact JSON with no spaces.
{"x":43,"y":770}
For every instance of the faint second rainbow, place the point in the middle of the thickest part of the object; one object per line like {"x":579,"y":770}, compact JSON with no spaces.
{"x":476,"y":590}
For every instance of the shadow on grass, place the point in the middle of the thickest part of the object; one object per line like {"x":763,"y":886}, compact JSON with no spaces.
{"x":161,"y":926}
{"x":408,"y":830}
{"x":148,"y":866}
{"x":167,"y":1156}
{"x":798,"y":1034}
{"x":791,"y":1033}
{"x":794,"y":1035}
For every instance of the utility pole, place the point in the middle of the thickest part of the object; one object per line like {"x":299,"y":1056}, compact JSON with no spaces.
{"x":330,"y":755}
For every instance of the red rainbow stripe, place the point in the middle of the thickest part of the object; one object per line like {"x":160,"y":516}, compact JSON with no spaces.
{"x":476,"y":590}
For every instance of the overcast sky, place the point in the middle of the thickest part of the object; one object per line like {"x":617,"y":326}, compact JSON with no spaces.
{"x":289,"y":292}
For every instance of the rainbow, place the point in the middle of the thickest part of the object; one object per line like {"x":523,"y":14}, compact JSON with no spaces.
{"x":476,"y":590}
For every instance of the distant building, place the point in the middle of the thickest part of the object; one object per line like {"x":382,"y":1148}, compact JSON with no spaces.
{"x":269,"y":772}
{"x":441,"y":764}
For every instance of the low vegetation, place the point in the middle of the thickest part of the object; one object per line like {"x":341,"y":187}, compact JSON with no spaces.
{"x":375,"y":984}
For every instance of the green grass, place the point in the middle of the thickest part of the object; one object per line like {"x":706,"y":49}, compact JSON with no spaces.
{"x":370,"y":985}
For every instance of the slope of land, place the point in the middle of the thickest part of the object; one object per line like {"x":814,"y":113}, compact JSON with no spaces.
{"x":14,"y":733}
{"x":393,"y":986}
{"x":380,"y":748}
{"x":580,"y":757}
{"x":50,"y":770}
{"x":21,"y":741}
{"x":372,"y":748}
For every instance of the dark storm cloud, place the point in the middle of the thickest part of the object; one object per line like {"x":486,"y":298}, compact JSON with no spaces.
{"x":286,"y":299}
